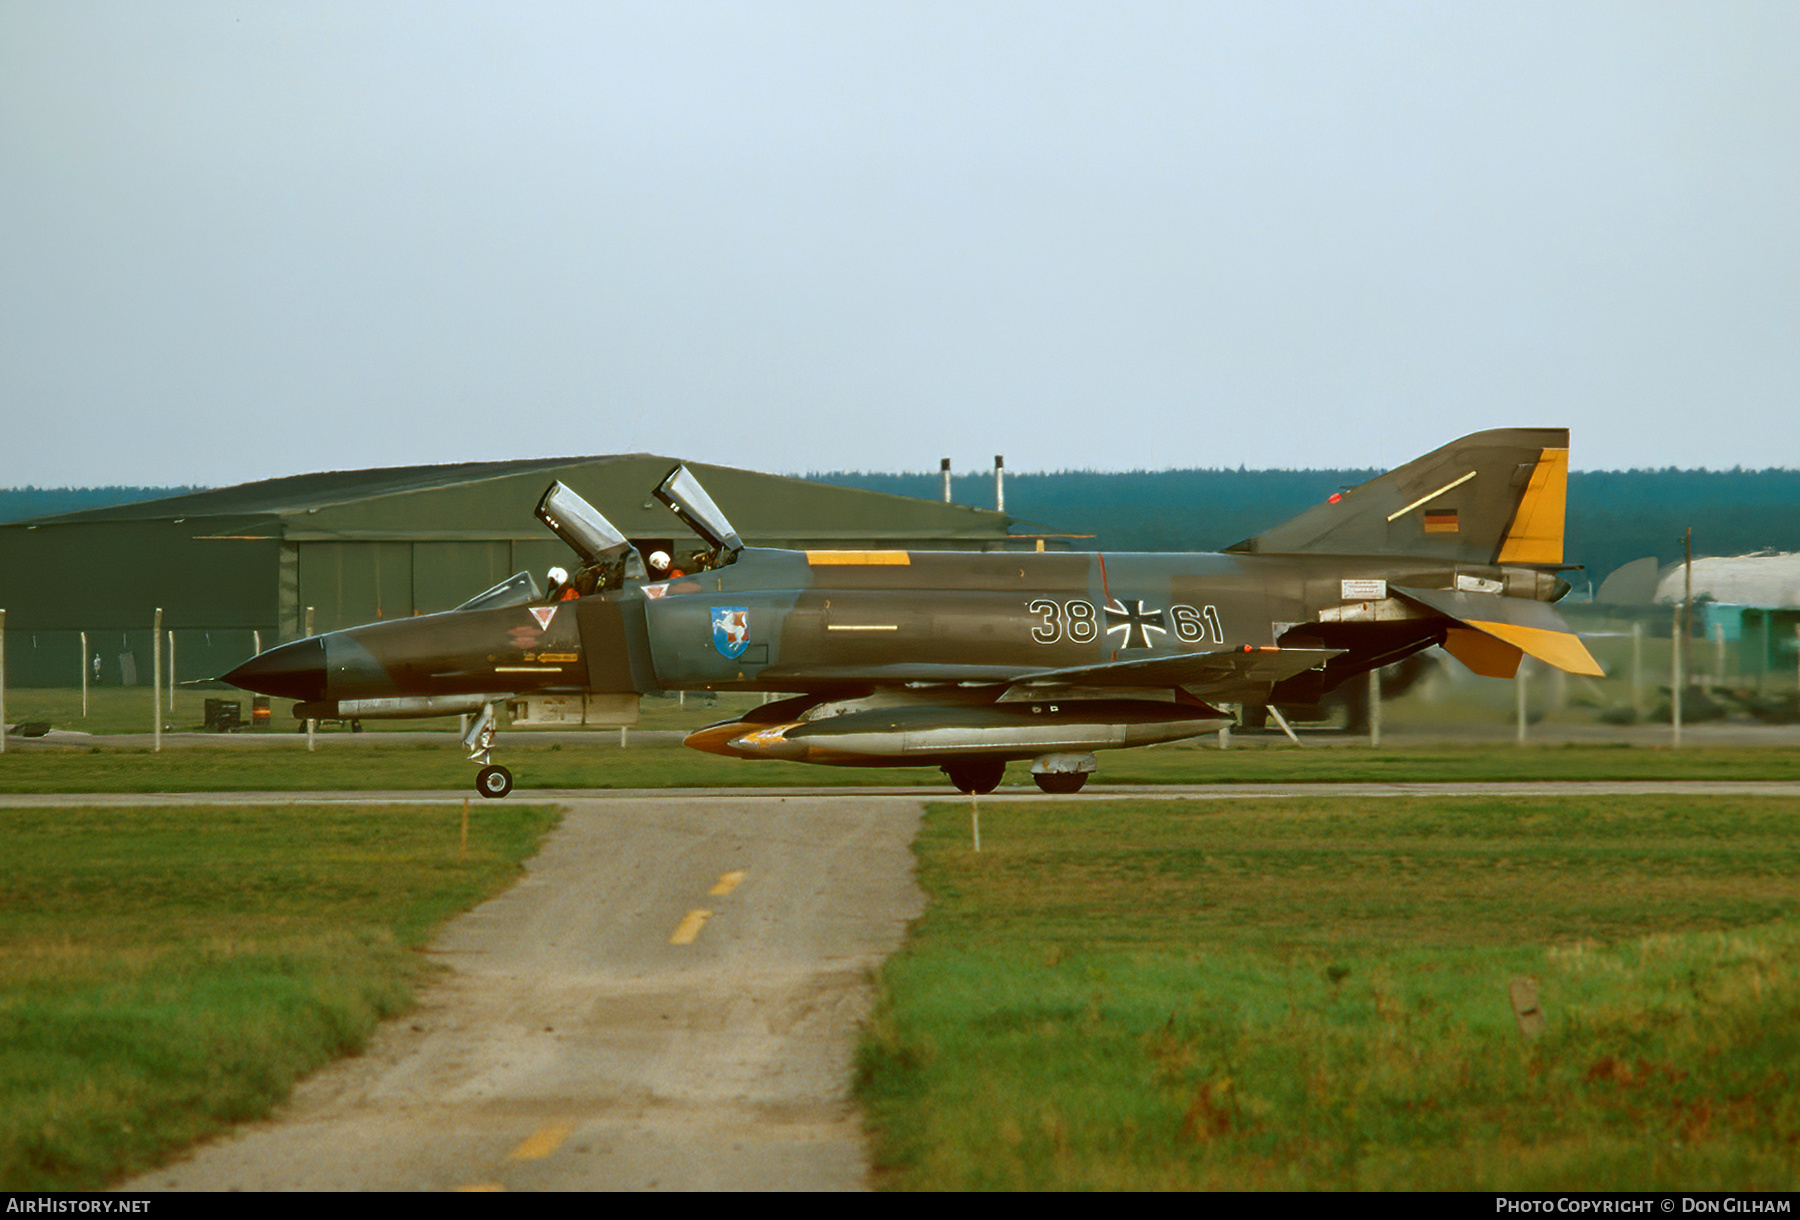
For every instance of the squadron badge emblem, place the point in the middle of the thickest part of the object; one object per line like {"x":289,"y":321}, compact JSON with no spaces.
{"x":731,"y":630}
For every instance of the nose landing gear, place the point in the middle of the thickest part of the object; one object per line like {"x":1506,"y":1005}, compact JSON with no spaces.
{"x":492,"y":780}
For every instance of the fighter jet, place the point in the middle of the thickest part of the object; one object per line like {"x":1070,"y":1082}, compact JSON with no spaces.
{"x":966,"y":661}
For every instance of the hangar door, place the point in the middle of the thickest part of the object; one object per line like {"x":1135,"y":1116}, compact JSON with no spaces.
{"x":347,"y":583}
{"x":447,"y":574}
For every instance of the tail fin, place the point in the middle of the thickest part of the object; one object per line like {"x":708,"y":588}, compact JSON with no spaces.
{"x":1491,"y":497}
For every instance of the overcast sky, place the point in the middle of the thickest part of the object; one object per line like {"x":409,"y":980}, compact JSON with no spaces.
{"x":251,"y":239}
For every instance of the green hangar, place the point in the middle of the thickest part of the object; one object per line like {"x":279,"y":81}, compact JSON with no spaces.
{"x":237,"y":568}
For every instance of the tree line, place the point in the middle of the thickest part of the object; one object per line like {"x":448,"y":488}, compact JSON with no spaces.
{"x":1614,"y":516}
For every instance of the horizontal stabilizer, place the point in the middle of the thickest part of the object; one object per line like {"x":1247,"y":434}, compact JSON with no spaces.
{"x":1225,"y":676}
{"x":1532,"y":627}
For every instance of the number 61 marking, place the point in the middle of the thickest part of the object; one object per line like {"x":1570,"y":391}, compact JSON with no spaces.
{"x":1192,"y":625}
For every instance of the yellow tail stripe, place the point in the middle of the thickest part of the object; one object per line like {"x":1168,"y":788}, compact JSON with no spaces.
{"x":1536,"y":535}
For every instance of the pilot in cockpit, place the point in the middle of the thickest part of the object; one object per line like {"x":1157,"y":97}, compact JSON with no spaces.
{"x":556,"y":582}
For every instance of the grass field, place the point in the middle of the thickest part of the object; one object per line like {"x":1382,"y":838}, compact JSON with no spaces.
{"x":1315,"y":994}
{"x":167,"y":971}
{"x":1254,"y":994}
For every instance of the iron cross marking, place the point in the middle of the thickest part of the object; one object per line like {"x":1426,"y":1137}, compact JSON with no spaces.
{"x":1134,"y":621}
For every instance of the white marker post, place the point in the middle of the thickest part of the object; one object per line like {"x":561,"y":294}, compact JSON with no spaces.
{"x":1676,"y":678}
{"x":310,"y":723}
{"x":1375,"y":708}
{"x":156,"y":679}
{"x":1637,"y":670}
{"x":1519,"y":698}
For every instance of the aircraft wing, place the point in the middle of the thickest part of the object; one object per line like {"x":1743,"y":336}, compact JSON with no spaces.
{"x":1518,"y":623}
{"x":1229,"y":675}
{"x":807,"y":677}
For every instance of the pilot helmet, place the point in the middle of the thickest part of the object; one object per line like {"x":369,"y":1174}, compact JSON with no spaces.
{"x":559,"y":576}
{"x":659,"y":561}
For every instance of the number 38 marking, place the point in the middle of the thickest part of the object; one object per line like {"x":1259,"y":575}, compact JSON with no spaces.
{"x":1075,"y":619}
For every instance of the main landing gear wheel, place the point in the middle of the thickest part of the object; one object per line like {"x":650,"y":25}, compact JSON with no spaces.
{"x":493,"y":781}
{"x":977,"y":776}
{"x":1060,"y":783}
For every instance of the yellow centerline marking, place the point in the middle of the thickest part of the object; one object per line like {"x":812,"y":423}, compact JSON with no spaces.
{"x":726,"y":883}
{"x":541,"y":1143}
{"x":689,"y":927}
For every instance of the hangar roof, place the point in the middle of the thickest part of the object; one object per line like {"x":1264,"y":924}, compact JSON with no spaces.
{"x":494,"y":500}
{"x":299,"y":492}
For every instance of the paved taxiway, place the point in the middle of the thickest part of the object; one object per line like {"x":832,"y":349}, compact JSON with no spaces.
{"x":575,"y":1045}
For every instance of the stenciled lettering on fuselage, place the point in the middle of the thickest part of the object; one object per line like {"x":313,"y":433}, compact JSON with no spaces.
{"x":1127,"y":624}
{"x":731,"y":630}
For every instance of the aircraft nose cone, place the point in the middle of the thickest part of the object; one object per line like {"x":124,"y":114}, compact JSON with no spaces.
{"x":291,"y":671}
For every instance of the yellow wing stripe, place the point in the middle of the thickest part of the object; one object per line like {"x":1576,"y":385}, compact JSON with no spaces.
{"x":1536,"y":535}
{"x":1562,"y":649}
{"x":820,"y":559}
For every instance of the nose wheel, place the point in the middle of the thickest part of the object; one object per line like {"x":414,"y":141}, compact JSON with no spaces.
{"x":493,"y":781}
